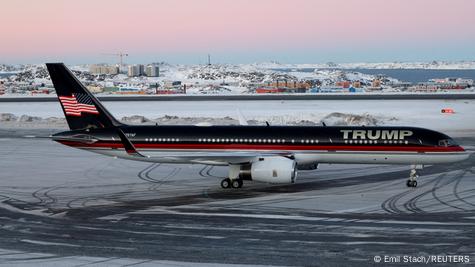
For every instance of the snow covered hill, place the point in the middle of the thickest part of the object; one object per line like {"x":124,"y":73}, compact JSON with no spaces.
{"x":223,"y":78}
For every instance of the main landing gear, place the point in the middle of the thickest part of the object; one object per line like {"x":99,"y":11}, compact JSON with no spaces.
{"x":233,"y":180}
{"x":412,"y":178}
{"x":228,"y":183}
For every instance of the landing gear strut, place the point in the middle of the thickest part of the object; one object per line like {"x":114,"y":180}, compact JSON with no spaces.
{"x":228,"y":183}
{"x":412,"y":178}
{"x":233,"y":180}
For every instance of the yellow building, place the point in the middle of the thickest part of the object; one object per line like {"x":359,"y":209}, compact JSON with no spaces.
{"x":288,"y":84}
{"x":95,"y":89}
{"x":376,"y":83}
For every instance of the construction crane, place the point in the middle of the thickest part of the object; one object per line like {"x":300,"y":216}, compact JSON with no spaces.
{"x":121,"y":56}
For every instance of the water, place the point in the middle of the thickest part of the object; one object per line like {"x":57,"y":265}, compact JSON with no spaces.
{"x":407,"y":75}
{"x":4,"y":75}
{"x":419,"y":75}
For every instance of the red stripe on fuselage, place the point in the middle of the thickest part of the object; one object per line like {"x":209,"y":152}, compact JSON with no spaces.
{"x":278,"y":147}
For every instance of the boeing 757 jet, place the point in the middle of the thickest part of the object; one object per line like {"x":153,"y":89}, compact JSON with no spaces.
{"x":270,"y":154}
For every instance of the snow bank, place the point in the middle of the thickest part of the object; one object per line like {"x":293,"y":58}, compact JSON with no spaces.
{"x":8,"y":120}
{"x":342,"y":119}
{"x":416,"y":113}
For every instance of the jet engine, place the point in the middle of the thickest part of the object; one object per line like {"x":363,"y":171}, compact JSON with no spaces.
{"x":276,"y":170}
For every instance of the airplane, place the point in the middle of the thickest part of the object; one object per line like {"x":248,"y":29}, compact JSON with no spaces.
{"x":269,"y":154}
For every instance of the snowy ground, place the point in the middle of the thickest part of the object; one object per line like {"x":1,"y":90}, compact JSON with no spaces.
{"x":62,"y":207}
{"x":14,"y":258}
{"x":420,"y":113}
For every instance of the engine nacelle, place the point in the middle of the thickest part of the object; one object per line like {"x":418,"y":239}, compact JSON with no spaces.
{"x":276,"y":170}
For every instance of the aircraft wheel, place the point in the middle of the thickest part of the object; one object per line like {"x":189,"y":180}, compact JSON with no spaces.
{"x":411,"y":183}
{"x":226,"y":183}
{"x":236,"y":183}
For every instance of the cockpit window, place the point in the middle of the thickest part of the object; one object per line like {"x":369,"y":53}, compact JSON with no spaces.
{"x":447,"y":142}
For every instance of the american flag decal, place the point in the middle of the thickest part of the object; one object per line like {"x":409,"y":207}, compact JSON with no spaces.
{"x":76,"y":104}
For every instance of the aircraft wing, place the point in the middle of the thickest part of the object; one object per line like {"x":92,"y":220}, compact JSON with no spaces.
{"x":218,"y":158}
{"x":228,"y":158}
{"x":202,"y":157}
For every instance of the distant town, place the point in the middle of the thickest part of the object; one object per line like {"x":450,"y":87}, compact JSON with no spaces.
{"x":267,"y":78}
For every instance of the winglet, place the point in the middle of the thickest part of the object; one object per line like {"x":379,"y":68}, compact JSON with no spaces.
{"x":129,"y":147}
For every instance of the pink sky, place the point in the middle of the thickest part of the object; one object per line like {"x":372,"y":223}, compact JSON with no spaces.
{"x":56,"y":29}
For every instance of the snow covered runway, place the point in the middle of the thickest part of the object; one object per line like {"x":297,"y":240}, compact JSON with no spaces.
{"x":65,"y":206}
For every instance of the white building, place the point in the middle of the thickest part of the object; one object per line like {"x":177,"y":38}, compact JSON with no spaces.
{"x":468,"y":82}
{"x":152,"y":71}
{"x":103,"y":69}
{"x":135,"y":70}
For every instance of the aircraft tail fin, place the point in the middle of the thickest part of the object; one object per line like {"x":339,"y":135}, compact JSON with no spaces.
{"x":81,"y":109}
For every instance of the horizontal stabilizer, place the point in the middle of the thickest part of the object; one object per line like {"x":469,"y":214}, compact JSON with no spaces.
{"x":129,"y":147}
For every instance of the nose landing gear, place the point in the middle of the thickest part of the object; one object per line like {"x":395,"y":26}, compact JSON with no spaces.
{"x":412,"y":182}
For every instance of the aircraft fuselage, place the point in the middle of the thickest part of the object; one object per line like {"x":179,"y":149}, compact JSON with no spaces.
{"x":317,"y":144}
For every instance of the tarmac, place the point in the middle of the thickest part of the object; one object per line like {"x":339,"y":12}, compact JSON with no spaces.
{"x":63,"y":206}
